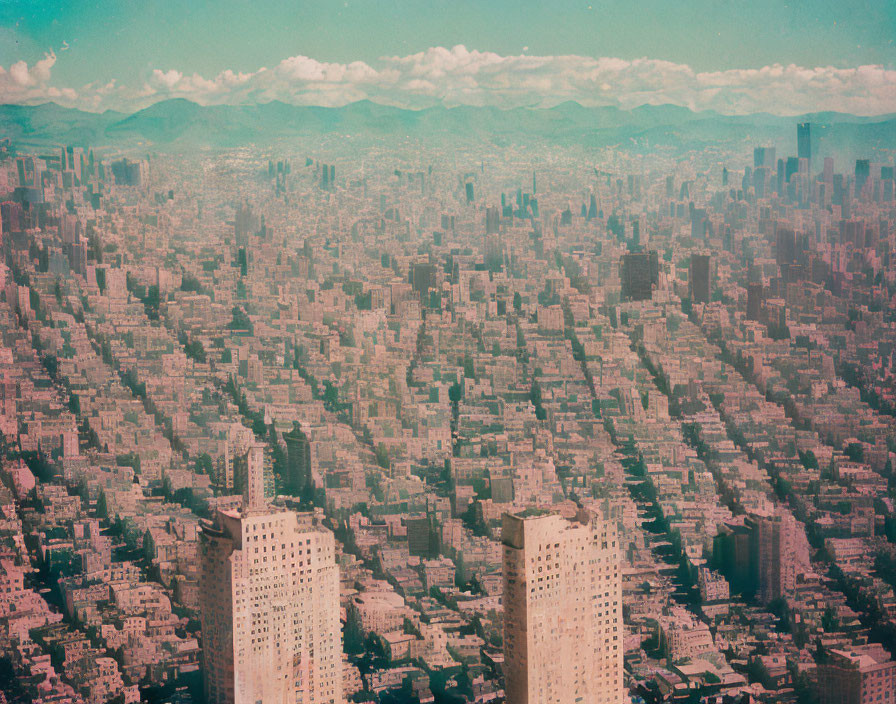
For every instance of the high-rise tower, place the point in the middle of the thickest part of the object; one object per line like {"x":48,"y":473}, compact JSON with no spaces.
{"x":778,"y":553}
{"x":563,"y":633}
{"x":804,"y":141}
{"x":699,"y":278}
{"x":269,"y":599}
{"x":298,"y":460}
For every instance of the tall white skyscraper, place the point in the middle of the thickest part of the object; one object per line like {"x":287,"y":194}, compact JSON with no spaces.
{"x":269,"y":596}
{"x":563,"y":633}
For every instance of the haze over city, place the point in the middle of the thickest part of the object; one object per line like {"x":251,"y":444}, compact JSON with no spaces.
{"x":423,"y":352}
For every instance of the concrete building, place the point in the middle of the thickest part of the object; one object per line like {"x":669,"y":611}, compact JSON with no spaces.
{"x":685,"y":636}
{"x":857,"y":676}
{"x":639,"y":273}
{"x":418,"y":532}
{"x":699,"y":278}
{"x":298,"y":460}
{"x":563,"y":630}
{"x":269,"y":599}
{"x":754,"y":300}
{"x":778,"y":553}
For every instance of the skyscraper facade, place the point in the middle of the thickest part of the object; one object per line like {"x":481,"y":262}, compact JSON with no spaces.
{"x":777,"y":554}
{"x":637,"y":275}
{"x":563,"y":633}
{"x":861,"y":674}
{"x":764,"y":157}
{"x":298,"y":460}
{"x":492,"y":220}
{"x":754,"y":300}
{"x":698,"y":279}
{"x":804,"y":141}
{"x":269,"y":602}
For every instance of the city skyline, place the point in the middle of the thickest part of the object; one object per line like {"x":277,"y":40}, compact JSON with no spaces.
{"x":441,"y":352}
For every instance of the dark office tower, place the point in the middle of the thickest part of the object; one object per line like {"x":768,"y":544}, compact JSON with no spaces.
{"x":616,"y":226}
{"x":775,"y":550}
{"x":592,"y":208}
{"x":494,"y":253}
{"x":534,"y":190}
{"x":298,"y":460}
{"x":25,"y":168}
{"x":636,"y":276}
{"x":786,"y":251}
{"x":670,"y":186}
{"x":469,"y":188}
{"x":325,"y":178}
{"x":423,"y":278}
{"x":760,"y":176}
{"x":332,"y":175}
{"x":126,"y":172}
{"x":780,"y":186}
{"x":886,"y":180}
{"x":12,"y":217}
{"x":804,"y":141}
{"x":418,"y":535}
{"x":839,"y":190}
{"x":764,"y":157}
{"x":698,"y":279}
{"x":243,"y":224}
{"x":793,"y":167}
{"x":731,"y":555}
{"x":566,"y":217}
{"x":863,"y":171}
{"x":724,"y":175}
{"x":636,"y":232}
{"x":492,"y":220}
{"x":698,"y":223}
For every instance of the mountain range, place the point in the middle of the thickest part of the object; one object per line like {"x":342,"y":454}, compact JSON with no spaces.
{"x":179,"y":124}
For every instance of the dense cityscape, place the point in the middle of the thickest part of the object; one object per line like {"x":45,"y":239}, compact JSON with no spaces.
{"x":415,"y":387}
{"x":463,"y":376}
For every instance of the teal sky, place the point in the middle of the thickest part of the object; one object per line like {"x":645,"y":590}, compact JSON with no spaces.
{"x":115,"y":39}
{"x":97,"y":41}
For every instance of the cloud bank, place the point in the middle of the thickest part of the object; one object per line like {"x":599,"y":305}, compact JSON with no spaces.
{"x":460,"y":76}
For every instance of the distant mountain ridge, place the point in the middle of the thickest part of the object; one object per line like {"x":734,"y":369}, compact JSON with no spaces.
{"x":180,"y":124}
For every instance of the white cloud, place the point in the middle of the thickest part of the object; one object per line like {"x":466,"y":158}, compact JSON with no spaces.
{"x":460,"y":76}
{"x":24,"y":84}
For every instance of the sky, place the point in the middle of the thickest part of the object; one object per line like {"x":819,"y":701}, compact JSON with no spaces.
{"x":734,"y":57}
